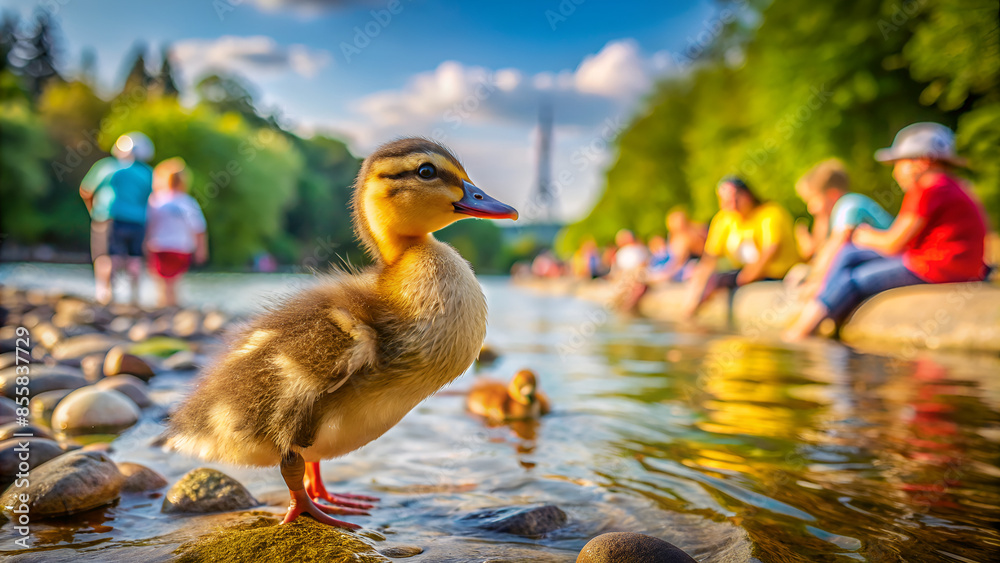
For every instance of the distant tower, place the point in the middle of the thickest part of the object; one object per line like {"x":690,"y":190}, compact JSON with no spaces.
{"x":545,"y":196}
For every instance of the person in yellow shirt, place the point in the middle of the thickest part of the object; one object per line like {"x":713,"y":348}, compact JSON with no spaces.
{"x":757,"y":238}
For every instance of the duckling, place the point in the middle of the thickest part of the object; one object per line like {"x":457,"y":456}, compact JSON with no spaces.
{"x":518,"y":400}
{"x":334,"y":367}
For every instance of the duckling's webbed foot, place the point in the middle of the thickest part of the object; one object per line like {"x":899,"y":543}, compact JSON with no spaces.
{"x":317,"y":491}
{"x":292,"y":470}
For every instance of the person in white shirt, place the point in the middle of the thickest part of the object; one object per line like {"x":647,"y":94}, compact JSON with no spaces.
{"x":175,"y":228}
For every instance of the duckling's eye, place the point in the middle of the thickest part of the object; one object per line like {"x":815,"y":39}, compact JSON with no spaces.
{"x":426,"y":171}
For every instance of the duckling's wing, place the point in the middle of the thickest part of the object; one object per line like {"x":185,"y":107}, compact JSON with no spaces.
{"x":261,"y":395}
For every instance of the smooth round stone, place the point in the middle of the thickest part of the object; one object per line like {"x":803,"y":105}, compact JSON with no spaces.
{"x":39,"y":450}
{"x":214,"y":322}
{"x":91,"y":410}
{"x":121,"y":324}
{"x":83,"y":345}
{"x":119,"y":361}
{"x":182,"y":361}
{"x":139,"y":478}
{"x":47,"y":334}
{"x":44,"y":404}
{"x":38,"y":315}
{"x":41,"y":378}
{"x":8,"y":359}
{"x":7,"y":410}
{"x":92,"y":366}
{"x":71,"y":483}
{"x":8,"y":430}
{"x":186,"y":323}
{"x":401,"y":551}
{"x":527,"y":521}
{"x":207,"y":490}
{"x":615,"y":547}
{"x":141,"y":330}
{"x":128,"y":385}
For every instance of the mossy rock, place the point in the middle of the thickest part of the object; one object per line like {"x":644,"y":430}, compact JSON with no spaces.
{"x":160,"y":346}
{"x":207,"y":490}
{"x":262,"y":539}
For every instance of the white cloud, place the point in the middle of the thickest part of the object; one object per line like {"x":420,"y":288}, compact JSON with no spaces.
{"x":255,"y":56}
{"x":490,"y":118}
{"x":310,"y":6}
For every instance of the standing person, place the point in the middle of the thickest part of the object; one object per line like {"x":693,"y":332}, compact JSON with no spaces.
{"x":757,"y":237}
{"x":938,"y":237}
{"x":175,"y":228}
{"x":97,"y":196}
{"x":836,"y":213}
{"x":130,"y":188}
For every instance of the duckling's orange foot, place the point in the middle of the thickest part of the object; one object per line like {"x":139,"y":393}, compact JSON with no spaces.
{"x":302,"y":504}
{"x":317,"y":492}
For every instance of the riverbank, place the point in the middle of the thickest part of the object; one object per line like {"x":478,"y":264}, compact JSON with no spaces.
{"x":956,"y":317}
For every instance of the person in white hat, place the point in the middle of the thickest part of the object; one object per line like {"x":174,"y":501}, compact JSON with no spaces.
{"x":129,"y":190}
{"x":938,"y":236}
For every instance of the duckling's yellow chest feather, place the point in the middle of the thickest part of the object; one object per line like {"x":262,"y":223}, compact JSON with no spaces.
{"x":442,"y":324}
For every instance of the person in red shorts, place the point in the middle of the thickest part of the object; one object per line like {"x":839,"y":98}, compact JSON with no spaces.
{"x":938,"y":236}
{"x":175,"y":229}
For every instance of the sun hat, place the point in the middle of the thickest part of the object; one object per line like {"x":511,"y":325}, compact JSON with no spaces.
{"x":922,"y":140}
{"x":134,"y":145}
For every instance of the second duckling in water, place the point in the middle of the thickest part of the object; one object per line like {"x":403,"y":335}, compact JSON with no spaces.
{"x":518,"y":400}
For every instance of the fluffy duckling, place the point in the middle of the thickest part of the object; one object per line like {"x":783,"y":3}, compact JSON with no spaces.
{"x":336,"y":366}
{"x":518,"y":400}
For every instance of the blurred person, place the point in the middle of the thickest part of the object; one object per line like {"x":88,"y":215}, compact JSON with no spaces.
{"x":587,"y":260}
{"x":754,"y":236}
{"x":836,"y":212}
{"x":629,"y":270}
{"x":175,"y":229}
{"x":684,"y":247}
{"x":129,"y":189}
{"x":97,"y":196}
{"x":546,"y":265}
{"x":938,"y":236}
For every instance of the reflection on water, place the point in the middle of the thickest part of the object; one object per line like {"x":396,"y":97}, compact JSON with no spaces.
{"x":733,"y":449}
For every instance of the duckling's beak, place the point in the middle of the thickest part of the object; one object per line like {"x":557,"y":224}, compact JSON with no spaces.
{"x":477,"y":203}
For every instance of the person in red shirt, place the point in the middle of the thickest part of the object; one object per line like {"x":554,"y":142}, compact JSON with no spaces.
{"x":938,"y":236}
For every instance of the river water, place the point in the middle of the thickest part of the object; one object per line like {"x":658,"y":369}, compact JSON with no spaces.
{"x":733,"y":449}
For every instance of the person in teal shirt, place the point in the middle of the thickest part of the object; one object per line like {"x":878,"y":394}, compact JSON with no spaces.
{"x":97,"y":196}
{"x":836,"y":212}
{"x":116,"y":191}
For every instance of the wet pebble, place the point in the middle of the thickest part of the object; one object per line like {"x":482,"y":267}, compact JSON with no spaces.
{"x":92,"y":366}
{"x":527,"y":521}
{"x":71,"y":483}
{"x":207,"y":490}
{"x":119,"y":361}
{"x":44,"y":404}
{"x":8,"y":359}
{"x":182,"y":361}
{"x":8,"y":430}
{"x":42,"y":378}
{"x":139,"y":478}
{"x":214,"y":322}
{"x":7,"y":410}
{"x":614,"y":547}
{"x":47,"y":334}
{"x":401,"y":551}
{"x":186,"y":323}
{"x":83,"y":345}
{"x":128,"y":385}
{"x":92,"y":410}
{"x":38,"y":450}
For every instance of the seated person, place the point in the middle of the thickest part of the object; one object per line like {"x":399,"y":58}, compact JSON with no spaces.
{"x":938,"y":237}
{"x":836,"y":213}
{"x":684,"y":248}
{"x":756,"y":237}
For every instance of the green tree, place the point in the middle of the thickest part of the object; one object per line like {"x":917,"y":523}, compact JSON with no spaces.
{"x":243,"y":176}
{"x":24,"y":178}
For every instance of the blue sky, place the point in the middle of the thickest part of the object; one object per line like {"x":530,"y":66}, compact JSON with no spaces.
{"x":472,"y":73}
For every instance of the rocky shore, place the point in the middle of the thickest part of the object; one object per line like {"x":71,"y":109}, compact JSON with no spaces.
{"x":75,"y":376}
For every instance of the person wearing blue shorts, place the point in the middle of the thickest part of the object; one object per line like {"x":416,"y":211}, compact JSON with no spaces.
{"x":129,"y":189}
